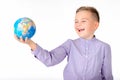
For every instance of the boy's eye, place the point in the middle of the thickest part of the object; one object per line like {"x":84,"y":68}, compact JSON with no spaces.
{"x":76,"y":21}
{"x":83,"y":21}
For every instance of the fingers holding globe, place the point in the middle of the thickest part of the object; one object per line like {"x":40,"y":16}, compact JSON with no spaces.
{"x":24,"y":28}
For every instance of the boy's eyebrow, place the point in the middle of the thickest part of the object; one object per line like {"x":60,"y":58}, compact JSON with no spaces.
{"x":85,"y":18}
{"x":82,"y":19}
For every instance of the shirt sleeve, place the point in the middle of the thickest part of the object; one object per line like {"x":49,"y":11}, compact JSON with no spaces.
{"x":55,"y":56}
{"x":107,"y":66}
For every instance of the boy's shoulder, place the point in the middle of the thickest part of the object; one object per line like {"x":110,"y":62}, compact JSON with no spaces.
{"x":102,"y":42}
{"x":96,"y":40}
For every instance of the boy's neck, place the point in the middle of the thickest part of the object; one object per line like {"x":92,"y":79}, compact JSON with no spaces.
{"x":88,"y":38}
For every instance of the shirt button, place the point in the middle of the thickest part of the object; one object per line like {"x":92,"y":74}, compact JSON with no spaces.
{"x":86,"y":56}
{"x":86,"y":48}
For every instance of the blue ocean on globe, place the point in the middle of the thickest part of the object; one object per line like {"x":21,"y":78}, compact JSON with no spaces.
{"x":24,"y":27}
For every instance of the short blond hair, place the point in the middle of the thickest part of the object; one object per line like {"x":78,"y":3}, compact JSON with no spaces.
{"x":90,"y":9}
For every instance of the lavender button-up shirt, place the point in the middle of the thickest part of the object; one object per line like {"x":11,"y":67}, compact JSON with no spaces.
{"x":87,"y":59}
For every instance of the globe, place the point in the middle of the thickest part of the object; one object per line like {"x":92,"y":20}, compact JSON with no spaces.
{"x":24,"y":27}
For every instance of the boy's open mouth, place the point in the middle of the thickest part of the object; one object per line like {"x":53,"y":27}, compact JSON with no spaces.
{"x":81,"y":30}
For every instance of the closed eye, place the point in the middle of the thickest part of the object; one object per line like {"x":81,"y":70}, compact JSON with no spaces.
{"x":83,"y":21}
{"x":76,"y":22}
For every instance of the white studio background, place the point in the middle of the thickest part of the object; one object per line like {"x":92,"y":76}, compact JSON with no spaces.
{"x":54,"y":21}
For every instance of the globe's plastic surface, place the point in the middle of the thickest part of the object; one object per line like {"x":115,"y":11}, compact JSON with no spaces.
{"x":24,"y":27}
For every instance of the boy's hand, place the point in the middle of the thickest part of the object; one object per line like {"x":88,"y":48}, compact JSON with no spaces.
{"x":20,"y":39}
{"x":27,"y":41}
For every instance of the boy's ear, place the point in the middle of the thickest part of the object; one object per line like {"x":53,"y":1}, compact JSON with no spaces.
{"x":96,"y":25}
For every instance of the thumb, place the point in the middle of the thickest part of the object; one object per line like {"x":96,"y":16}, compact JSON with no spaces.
{"x":27,"y":41}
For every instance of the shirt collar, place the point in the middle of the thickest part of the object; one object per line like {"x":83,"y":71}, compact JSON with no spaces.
{"x":87,"y":40}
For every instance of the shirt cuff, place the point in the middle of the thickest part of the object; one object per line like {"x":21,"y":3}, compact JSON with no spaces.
{"x":36,"y":51}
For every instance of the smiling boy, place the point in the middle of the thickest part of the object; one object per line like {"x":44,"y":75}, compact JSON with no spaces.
{"x":88,"y":58}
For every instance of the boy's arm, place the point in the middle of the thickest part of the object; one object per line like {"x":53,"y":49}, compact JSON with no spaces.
{"x":50,"y":58}
{"x":107,"y":66}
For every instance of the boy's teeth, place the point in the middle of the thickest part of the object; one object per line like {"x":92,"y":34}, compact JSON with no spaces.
{"x":81,"y":30}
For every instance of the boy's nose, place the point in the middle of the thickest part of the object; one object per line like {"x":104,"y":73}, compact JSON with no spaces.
{"x":78,"y":25}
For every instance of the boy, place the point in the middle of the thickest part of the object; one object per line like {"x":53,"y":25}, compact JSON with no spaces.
{"x":88,"y":58}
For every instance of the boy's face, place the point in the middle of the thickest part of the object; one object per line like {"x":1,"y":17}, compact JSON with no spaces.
{"x":85,"y":24}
